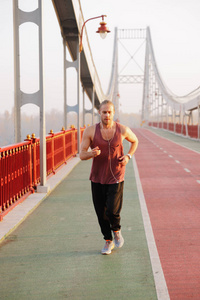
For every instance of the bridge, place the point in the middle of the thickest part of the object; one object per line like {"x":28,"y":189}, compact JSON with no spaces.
{"x":50,"y":240}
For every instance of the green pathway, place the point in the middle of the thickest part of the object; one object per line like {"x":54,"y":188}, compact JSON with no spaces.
{"x":183,"y":141}
{"x":55,"y":252}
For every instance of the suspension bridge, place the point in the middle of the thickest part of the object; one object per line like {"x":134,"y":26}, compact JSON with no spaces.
{"x":50,"y":240}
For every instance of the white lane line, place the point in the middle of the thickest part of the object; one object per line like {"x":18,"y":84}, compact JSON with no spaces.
{"x":170,"y":156}
{"x":186,"y":170}
{"x":165,"y":151}
{"x":168,"y":139}
{"x":160,"y":283}
{"x":198,"y":181}
{"x":177,"y":161}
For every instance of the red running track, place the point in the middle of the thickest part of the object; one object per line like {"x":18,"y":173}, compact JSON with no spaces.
{"x":170,"y":177}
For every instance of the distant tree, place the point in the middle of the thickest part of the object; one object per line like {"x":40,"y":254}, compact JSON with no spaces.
{"x":6,"y":128}
{"x":54,"y":120}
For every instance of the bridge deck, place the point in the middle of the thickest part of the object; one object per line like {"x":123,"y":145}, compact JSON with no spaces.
{"x":55,"y":252}
{"x":170,"y":177}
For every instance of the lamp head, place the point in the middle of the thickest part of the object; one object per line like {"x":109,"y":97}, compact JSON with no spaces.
{"x":103,"y":29}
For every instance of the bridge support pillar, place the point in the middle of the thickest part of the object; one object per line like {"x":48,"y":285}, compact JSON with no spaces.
{"x":75,"y":108}
{"x":65,"y":83}
{"x":37,"y":98}
{"x":184,"y":122}
{"x":78,"y":98}
{"x":167,"y":116}
{"x":84,"y":111}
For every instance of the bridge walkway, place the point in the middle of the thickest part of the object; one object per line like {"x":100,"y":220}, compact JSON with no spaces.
{"x":55,"y":252}
{"x":169,"y":170}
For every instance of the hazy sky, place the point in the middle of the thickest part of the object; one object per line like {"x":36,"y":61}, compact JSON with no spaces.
{"x":175,"y":28}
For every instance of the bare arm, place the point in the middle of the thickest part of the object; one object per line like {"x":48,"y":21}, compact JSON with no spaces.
{"x":128,"y":134}
{"x":131,"y":137}
{"x":85,"y":144}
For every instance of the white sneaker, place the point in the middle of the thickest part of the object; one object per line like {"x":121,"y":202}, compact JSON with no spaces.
{"x":118,"y":239}
{"x":109,"y":245}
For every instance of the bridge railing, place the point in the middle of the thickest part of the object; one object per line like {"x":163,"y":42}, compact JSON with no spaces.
{"x":20,"y":165}
{"x":177,"y":128}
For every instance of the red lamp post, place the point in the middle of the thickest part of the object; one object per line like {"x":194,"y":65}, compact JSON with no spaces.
{"x":102,"y":30}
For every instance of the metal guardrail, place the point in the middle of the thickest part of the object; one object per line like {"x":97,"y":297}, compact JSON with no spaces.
{"x":20,"y":165}
{"x":177,"y":128}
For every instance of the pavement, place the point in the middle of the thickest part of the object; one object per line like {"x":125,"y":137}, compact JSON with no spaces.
{"x":55,"y":252}
{"x":192,"y":144}
{"x":16,"y":216}
{"x":50,"y":243}
{"x":169,"y":171}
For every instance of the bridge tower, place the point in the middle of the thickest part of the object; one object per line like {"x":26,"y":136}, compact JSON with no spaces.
{"x":137,"y":72}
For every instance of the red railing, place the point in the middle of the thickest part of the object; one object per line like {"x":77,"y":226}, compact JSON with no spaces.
{"x":177,"y":128}
{"x":20,"y":165}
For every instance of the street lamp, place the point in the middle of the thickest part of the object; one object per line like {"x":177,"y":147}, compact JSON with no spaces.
{"x":102,"y":30}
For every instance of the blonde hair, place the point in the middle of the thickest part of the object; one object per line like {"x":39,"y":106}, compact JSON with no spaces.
{"x":107,"y":102}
